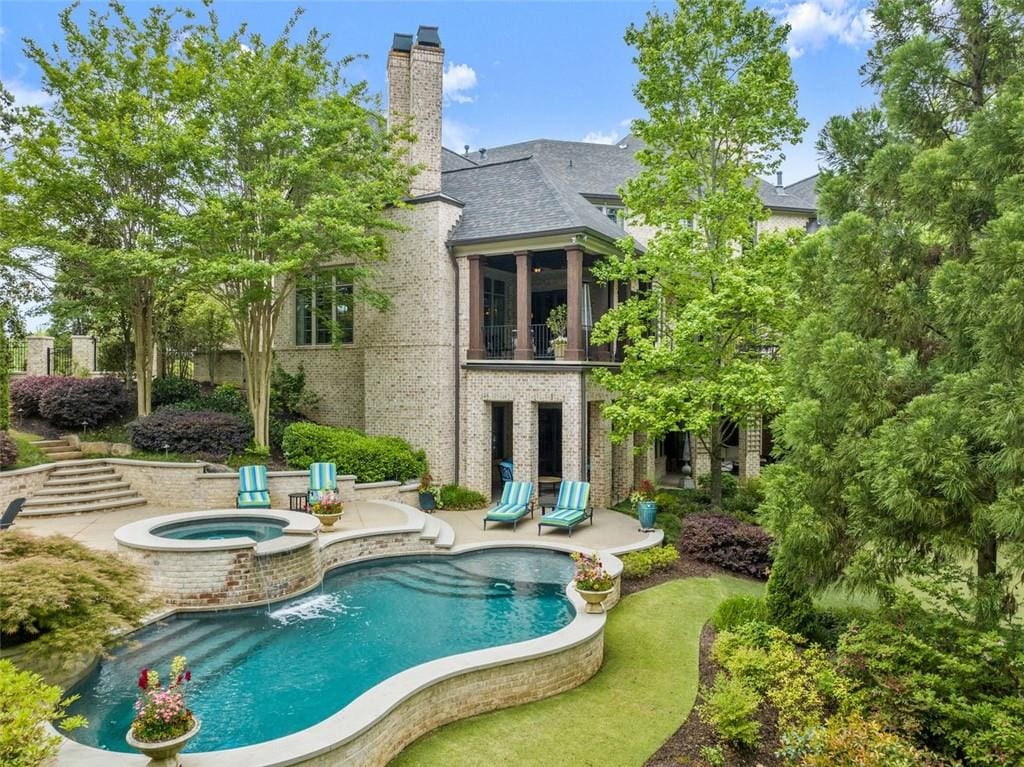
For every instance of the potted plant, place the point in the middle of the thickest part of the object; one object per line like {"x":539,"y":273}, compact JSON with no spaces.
{"x":646,"y":506}
{"x":592,"y":581}
{"x":327,"y":508}
{"x":430,"y":494}
{"x":557,"y":322}
{"x":163,"y":723}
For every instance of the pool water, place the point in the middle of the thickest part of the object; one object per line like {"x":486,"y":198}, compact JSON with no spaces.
{"x":259,"y":674}
{"x":258,"y":528}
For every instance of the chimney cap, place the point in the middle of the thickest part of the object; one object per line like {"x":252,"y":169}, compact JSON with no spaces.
{"x":428,"y":36}
{"x":779,"y":188}
{"x":402,"y":42}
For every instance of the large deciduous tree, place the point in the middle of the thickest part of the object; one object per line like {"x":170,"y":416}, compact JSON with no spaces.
{"x":301,"y":171}
{"x":903,"y":437}
{"x":716,"y":83}
{"x":99,"y":174}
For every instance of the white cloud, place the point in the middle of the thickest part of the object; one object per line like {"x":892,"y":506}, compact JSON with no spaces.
{"x":814,"y":23}
{"x":456,"y":135}
{"x":27,"y":95}
{"x":599,"y":137}
{"x":459,"y":78}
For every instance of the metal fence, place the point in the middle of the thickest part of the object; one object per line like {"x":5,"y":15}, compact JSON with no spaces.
{"x":58,"y":361}
{"x":19,"y":356}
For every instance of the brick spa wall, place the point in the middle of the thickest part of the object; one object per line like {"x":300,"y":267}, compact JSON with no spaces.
{"x":346,"y":550}
{"x":22,"y":483}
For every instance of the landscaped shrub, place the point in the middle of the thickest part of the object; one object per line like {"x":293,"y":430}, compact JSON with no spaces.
{"x":172,"y":389}
{"x":26,"y":704}
{"x":288,"y":395}
{"x":730,"y":484}
{"x":62,"y":599}
{"x":640,"y":564}
{"x":789,"y":602}
{"x":458,"y":498}
{"x":737,"y":611}
{"x":93,"y":401}
{"x":186,"y":431}
{"x":370,"y":459}
{"x":728,"y":708}
{"x":852,"y":741}
{"x":8,"y":451}
{"x":226,"y":398}
{"x":726,"y":542}
{"x":27,"y":391}
{"x":743,"y":503}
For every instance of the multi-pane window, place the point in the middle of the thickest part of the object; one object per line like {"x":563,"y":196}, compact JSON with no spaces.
{"x":323,"y":310}
{"x":613,"y":212}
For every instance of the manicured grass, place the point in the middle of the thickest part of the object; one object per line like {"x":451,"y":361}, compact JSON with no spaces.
{"x":641,"y":695}
{"x":28,"y":454}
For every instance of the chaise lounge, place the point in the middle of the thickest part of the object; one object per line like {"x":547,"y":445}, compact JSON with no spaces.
{"x":570,"y":507}
{"x":514,"y":504}
{"x":7,"y":520}
{"x":253,"y":492}
{"x":323,"y":478}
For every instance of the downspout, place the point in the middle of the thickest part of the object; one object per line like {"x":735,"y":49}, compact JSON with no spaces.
{"x":584,"y":426}
{"x":458,"y":375}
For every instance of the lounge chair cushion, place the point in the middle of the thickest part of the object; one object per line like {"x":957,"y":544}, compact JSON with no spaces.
{"x":252,"y":478}
{"x":573,"y":494}
{"x":323,"y":476}
{"x":564,"y":517}
{"x":254,"y":499}
{"x":507,"y":513}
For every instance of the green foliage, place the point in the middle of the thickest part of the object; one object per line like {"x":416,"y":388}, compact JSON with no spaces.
{"x":557,"y":320}
{"x":226,"y":398}
{"x":788,"y":601}
{"x":64,"y":599}
{"x":729,"y":708}
{"x":8,"y":451}
{"x":851,"y":741}
{"x":738,"y":610}
{"x":370,"y":459}
{"x":172,"y":389}
{"x":713,"y":755}
{"x":288,"y":395}
{"x":640,"y":564}
{"x":712,"y":74}
{"x":26,"y":704}
{"x":730,"y":484}
{"x":458,"y":498}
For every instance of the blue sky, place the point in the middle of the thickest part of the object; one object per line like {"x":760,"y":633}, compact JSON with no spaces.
{"x":516,"y":71}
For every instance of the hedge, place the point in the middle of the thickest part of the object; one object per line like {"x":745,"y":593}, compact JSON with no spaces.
{"x":727,"y":542}
{"x":26,"y":392}
{"x":188,"y":431}
{"x":458,"y":498}
{"x":92,"y":401}
{"x":172,"y":389}
{"x":370,"y":459}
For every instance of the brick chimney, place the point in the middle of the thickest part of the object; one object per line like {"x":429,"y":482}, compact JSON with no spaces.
{"x":415,"y":74}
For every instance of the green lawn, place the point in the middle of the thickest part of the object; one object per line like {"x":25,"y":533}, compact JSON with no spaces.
{"x":28,"y":454}
{"x":641,"y":695}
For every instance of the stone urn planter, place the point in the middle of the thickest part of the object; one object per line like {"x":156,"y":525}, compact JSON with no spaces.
{"x":327,"y":520}
{"x":594,"y":599}
{"x":163,"y":753}
{"x":558,"y":347}
{"x":427,"y":501}
{"x":646,"y":512}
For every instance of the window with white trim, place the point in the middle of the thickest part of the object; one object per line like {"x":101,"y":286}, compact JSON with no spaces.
{"x":323,"y":310}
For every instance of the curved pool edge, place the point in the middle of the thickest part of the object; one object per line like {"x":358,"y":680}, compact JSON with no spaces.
{"x":140,"y":535}
{"x":375,"y":727}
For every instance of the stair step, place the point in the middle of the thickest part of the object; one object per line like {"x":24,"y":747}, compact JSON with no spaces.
{"x":42,"y":444}
{"x":431,"y":527}
{"x":83,"y":480}
{"x":117,"y":503}
{"x":91,"y":488}
{"x":64,"y":456}
{"x":81,"y":470}
{"x":78,"y":498}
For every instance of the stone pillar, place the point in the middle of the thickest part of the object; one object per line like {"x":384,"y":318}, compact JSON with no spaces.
{"x":750,"y":451}
{"x":83,"y":358}
{"x":574,"y":297}
{"x":524,"y":441}
{"x":573,"y":462}
{"x":476,"y":349}
{"x":38,"y":348}
{"x":644,"y":463}
{"x":524,"y":344}
{"x":622,"y":468}
{"x":476,"y":457}
{"x":701,"y":459}
{"x":601,"y":471}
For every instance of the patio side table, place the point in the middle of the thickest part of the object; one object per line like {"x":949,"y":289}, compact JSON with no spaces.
{"x":297,"y":501}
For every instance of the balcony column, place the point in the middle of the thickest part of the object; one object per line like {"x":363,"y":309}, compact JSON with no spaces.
{"x":574,"y":295}
{"x":524,"y":344}
{"x":476,"y":349}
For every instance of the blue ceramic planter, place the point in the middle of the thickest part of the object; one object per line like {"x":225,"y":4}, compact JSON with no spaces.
{"x":647,"y":511}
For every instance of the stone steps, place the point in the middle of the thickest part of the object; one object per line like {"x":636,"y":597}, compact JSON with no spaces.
{"x":81,"y":469}
{"x":75,"y":489}
{"x":79,"y":508}
{"x":96,"y":478}
{"x":58,"y":449}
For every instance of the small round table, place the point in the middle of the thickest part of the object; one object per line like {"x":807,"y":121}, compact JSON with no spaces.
{"x":297,"y":501}
{"x":551,"y":483}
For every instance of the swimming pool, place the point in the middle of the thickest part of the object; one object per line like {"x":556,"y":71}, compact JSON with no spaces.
{"x":258,"y":529}
{"x":262,"y":674}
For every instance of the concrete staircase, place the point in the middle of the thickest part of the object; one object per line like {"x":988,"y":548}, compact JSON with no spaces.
{"x":58,"y":449}
{"x":73,"y":489}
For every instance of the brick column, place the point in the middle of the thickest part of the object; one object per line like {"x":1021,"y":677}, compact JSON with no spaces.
{"x":82,"y":357}
{"x":574,"y":295}
{"x":750,"y":450}
{"x":622,"y":468}
{"x":600,"y":456}
{"x":37,"y":348}
{"x":524,"y":441}
{"x":524,"y":345}
{"x":476,"y":349}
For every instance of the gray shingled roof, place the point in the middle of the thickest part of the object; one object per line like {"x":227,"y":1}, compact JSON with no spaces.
{"x":807,"y":189}
{"x":454,"y":161}
{"x":518,"y":198}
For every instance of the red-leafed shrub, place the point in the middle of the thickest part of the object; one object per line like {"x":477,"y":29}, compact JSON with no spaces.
{"x":189,"y":431}
{"x":27,"y":391}
{"x":8,"y":451}
{"x":93,"y":401}
{"x":727,"y":542}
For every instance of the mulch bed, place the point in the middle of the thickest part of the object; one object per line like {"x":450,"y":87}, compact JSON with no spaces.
{"x":38,"y":426}
{"x":683,"y":748}
{"x":684,"y":567}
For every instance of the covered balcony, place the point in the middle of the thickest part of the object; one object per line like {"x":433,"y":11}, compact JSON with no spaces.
{"x":512,"y":296}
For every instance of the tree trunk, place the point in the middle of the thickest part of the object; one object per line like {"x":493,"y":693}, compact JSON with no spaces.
{"x":715,"y":454}
{"x":142,"y":323}
{"x":256,"y":337}
{"x":987,"y":551}
{"x":5,"y":376}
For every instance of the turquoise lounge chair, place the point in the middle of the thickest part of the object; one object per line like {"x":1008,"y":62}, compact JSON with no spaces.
{"x":323,"y":477}
{"x":570,"y":508}
{"x":252,"y":488}
{"x":514,"y":504}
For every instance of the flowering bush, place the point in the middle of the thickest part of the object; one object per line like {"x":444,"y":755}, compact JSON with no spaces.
{"x":161,"y":712}
{"x":327,"y":502}
{"x":590,"y":573}
{"x":645,"y":492}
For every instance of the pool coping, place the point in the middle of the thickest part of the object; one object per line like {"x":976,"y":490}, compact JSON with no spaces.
{"x":300,"y":531}
{"x":363,"y":713}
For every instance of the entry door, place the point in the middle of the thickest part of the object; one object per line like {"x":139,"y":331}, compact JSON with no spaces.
{"x":549,"y":441}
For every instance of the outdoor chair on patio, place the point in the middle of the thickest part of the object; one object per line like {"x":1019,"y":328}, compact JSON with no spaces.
{"x":12,"y":511}
{"x":253,"y":492}
{"x":570,"y":507}
{"x":323,"y":478}
{"x":505,"y":467}
{"x":514,"y":504}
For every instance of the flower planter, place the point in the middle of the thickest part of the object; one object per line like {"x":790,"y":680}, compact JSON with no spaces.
{"x":327,"y":520}
{"x":427,"y":501}
{"x":163,"y":753}
{"x":594,"y":599}
{"x":558,"y":347}
{"x":646,"y":512}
